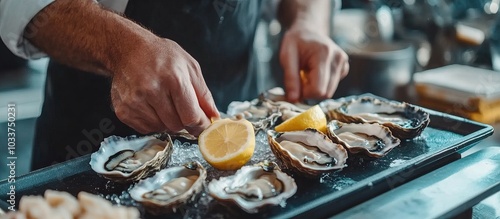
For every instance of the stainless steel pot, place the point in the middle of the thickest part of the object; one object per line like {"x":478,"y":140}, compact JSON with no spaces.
{"x":381,"y":68}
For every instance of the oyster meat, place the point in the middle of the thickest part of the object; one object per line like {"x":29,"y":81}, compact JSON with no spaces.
{"x":307,"y":152}
{"x":131,"y":158}
{"x":373,"y":139}
{"x":171,"y":188}
{"x":253,"y":187}
{"x":405,"y":121}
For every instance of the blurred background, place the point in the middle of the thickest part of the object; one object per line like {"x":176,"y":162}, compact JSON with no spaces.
{"x":21,"y":83}
{"x":388,"y":42}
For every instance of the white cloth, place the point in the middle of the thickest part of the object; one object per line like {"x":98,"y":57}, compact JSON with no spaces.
{"x":117,"y":6}
{"x":16,"y":14}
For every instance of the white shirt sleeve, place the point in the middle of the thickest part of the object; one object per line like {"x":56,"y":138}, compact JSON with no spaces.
{"x":14,"y":17}
{"x":117,"y":6}
{"x":16,"y":14}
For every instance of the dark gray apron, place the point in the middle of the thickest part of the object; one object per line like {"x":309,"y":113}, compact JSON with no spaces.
{"x":219,"y":34}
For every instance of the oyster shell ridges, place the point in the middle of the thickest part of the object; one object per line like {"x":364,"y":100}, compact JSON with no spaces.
{"x":324,"y":145}
{"x":150,"y":184}
{"x":417,"y":118}
{"x":370,"y":130}
{"x":115,"y":144}
{"x":218,"y":188}
{"x":264,"y":111}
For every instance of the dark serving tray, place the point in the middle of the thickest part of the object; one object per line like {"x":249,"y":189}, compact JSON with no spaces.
{"x":438,"y":145}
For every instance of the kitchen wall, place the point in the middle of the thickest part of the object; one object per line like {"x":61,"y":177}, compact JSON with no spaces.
{"x":22,"y":86}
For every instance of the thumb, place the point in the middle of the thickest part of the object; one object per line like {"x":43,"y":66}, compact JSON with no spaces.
{"x":206,"y":102}
{"x":204,"y":96}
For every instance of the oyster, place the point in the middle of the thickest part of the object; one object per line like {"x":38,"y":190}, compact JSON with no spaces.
{"x":275,"y":99}
{"x":131,"y":158}
{"x":307,"y":152}
{"x":264,"y":111}
{"x":171,"y":188}
{"x":253,"y":187}
{"x":273,"y":94}
{"x":329,"y":105}
{"x":258,"y":112}
{"x":373,"y":139}
{"x":405,"y":121}
{"x":180,"y":134}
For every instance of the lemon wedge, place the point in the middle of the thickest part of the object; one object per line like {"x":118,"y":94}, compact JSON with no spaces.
{"x":314,"y":117}
{"x":227,"y":144}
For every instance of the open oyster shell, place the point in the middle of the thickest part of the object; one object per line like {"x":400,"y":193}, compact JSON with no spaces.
{"x":182,"y":135}
{"x":329,"y":105}
{"x":405,"y":121}
{"x":307,"y":152}
{"x":253,"y":187}
{"x":275,"y":99}
{"x":131,"y":158}
{"x":171,"y":188}
{"x":259,"y":112}
{"x":372,"y":139}
{"x":264,"y":111}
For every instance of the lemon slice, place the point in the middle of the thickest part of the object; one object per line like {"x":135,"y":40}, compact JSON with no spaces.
{"x":227,"y":144}
{"x":311,"y":118}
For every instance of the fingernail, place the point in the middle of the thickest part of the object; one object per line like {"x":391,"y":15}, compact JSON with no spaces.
{"x":213,"y":119}
{"x":216,"y":111}
{"x":292,"y":97}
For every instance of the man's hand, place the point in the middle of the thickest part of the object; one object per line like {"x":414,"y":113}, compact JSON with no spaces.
{"x":161,"y":88}
{"x":323,"y":64}
{"x":313,"y":64}
{"x":156,"y":87}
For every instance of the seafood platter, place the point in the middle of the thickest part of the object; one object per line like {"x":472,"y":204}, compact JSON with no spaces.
{"x":370,"y":146}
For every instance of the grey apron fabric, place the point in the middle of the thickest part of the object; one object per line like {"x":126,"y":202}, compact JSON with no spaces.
{"x":219,"y":34}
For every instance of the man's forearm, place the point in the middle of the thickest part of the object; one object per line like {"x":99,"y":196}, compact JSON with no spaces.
{"x":315,"y":13}
{"x":83,"y":35}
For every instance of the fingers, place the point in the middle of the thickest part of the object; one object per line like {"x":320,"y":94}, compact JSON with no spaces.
{"x":130,"y":109}
{"x":177,"y":106}
{"x":320,"y":75}
{"x":328,"y":65}
{"x":345,"y":70}
{"x":191,"y":115}
{"x":332,"y":84}
{"x":339,"y":70}
{"x":159,"y":111}
{"x":325,"y":61}
{"x":167,"y":93}
{"x":203,"y":94}
{"x":289,"y":59}
{"x":343,"y":60}
{"x":167,"y":113}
